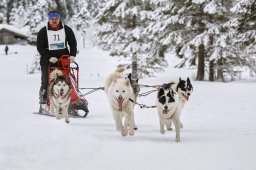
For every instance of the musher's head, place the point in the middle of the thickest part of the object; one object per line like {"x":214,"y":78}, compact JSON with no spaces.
{"x":54,"y":18}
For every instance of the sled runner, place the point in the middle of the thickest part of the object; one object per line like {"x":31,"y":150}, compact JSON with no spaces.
{"x":78,"y":102}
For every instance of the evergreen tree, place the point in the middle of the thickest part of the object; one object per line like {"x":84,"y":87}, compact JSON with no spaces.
{"x":9,"y":7}
{"x":192,"y":29}
{"x":3,"y":11}
{"x":81,"y":19}
{"x":122,"y":33}
{"x":245,"y":24}
{"x":95,"y":6}
{"x":18,"y":15}
{"x":37,"y":17}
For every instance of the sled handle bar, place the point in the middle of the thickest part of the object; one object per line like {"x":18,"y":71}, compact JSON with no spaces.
{"x":63,"y":61}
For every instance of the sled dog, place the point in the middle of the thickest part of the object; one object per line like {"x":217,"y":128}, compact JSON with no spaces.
{"x":184,"y":89}
{"x":119,"y":92}
{"x":169,"y":108}
{"x":136,"y":90}
{"x":59,"y":94}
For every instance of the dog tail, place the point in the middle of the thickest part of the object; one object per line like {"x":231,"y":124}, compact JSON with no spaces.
{"x":112,"y":77}
{"x":54,"y":74}
{"x":120,"y":69}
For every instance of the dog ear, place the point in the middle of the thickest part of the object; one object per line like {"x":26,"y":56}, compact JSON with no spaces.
{"x":56,"y":75}
{"x":160,"y":92}
{"x":127,"y":82}
{"x":188,"y":80}
{"x":67,"y":81}
{"x":130,"y":76}
{"x":180,"y":80}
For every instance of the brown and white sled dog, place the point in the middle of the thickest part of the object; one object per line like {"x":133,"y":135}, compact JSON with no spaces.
{"x":59,"y":94}
{"x":169,"y":108}
{"x":119,"y":92}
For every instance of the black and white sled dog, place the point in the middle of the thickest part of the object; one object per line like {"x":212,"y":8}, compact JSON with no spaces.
{"x":119,"y":92}
{"x":184,"y":89}
{"x":59,"y":94}
{"x":171,"y":99}
{"x":169,"y":108}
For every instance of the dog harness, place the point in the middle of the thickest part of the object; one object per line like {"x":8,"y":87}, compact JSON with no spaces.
{"x":56,"y":39}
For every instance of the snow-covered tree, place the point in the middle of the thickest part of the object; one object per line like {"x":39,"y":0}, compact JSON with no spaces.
{"x":192,"y":29}
{"x":245,"y":23}
{"x":37,"y":17}
{"x":3,"y":11}
{"x":122,"y":25}
{"x":81,"y":20}
{"x":18,"y":15}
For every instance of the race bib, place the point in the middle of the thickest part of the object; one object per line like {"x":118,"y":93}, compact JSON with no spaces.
{"x":56,"y":39}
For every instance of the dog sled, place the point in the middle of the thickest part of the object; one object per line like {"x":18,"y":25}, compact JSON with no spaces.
{"x":78,"y":102}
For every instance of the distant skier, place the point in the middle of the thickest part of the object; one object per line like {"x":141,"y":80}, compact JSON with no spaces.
{"x":6,"y":49}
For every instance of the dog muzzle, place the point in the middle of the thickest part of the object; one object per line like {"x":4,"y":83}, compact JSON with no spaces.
{"x":59,"y":95}
{"x":186,"y":97}
{"x":120,"y":101}
{"x":165,"y":111}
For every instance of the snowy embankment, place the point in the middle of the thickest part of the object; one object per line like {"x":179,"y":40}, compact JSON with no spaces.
{"x":219,"y":124}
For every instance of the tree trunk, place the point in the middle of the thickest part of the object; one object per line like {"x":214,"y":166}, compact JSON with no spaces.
{"x":200,"y":68}
{"x":8,"y":10}
{"x":84,"y":41}
{"x":134,"y":66}
{"x":211,"y":70}
{"x":62,"y":8}
{"x":220,"y":70}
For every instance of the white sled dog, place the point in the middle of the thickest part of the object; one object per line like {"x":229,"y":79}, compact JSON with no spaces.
{"x":169,"y":108}
{"x":59,"y":94}
{"x":119,"y":92}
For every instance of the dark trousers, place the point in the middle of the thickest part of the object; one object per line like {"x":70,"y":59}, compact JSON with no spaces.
{"x":44,"y":82}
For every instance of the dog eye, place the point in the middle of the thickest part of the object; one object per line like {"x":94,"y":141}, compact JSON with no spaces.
{"x":117,"y":91}
{"x":123,"y":91}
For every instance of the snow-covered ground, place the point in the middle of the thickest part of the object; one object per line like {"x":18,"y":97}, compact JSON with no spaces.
{"x":219,"y":124}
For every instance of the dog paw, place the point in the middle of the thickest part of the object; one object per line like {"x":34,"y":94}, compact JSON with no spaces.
{"x":135,"y":127}
{"x":67,"y":121}
{"x":131,"y":133}
{"x":123,"y":132}
{"x":118,"y":128}
{"x":162,"y":131}
{"x":169,"y":128}
{"x":177,"y":139}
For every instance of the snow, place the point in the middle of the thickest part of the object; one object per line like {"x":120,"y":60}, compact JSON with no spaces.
{"x":11,"y":28}
{"x":219,"y":123}
{"x":198,"y":1}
